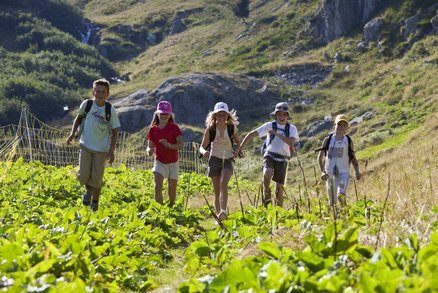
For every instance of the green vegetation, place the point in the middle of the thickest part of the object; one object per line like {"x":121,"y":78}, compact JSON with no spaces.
{"x":43,"y":67}
{"x":49,"y":241}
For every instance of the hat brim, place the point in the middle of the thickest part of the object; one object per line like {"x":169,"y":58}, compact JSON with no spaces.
{"x":342,"y":120}
{"x":275,"y":113}
{"x":164,"y":112}
{"x":220,"y":110}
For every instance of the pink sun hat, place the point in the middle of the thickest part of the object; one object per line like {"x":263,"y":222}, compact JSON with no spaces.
{"x":164,"y":107}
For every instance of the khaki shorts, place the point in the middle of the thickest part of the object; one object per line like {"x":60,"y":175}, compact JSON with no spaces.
{"x":91,"y":167}
{"x":215,"y":166}
{"x":170,"y":171}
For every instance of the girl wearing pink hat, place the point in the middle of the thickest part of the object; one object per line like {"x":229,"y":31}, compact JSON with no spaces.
{"x":164,"y":138}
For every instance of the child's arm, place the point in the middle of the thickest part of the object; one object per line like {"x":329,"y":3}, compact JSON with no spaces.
{"x":112,"y":148}
{"x":237,"y":151}
{"x":76,"y":124}
{"x":179,"y":144}
{"x":355,"y":163}
{"x":204,"y":143}
{"x":321,"y":161}
{"x":150,"y":148}
{"x":288,"y":140}
{"x":248,"y":137}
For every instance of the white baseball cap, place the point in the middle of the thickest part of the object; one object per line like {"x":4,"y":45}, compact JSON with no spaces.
{"x":221,"y":107}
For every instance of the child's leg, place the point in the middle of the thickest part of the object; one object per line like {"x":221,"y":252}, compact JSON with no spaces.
{"x":172,"y":182}
{"x":171,"y":188}
{"x":217,"y":193}
{"x":279,"y":192}
{"x":267,"y":176}
{"x":225,"y":178}
{"x":158,"y":187}
{"x":331,"y":190}
{"x":342,"y":184}
{"x":84,"y":173}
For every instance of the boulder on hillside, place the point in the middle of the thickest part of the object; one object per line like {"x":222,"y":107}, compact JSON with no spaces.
{"x":371,"y":30}
{"x":194,"y":95}
{"x":336,"y":18}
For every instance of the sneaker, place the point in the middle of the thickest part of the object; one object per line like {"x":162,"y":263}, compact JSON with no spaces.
{"x":222,"y":215}
{"x":342,"y":199}
{"x":266,"y":202}
{"x":94,"y":206}
{"x":86,"y":199}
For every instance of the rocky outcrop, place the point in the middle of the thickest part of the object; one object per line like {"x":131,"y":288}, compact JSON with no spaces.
{"x":194,"y":95}
{"x":372,"y":29}
{"x":337,"y":18}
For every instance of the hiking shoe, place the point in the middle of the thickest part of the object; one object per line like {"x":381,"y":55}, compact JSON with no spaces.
{"x":86,"y":199}
{"x":222,"y":215}
{"x":342,"y":199}
{"x":94,"y":206}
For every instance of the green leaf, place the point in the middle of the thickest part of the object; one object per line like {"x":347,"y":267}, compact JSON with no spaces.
{"x":270,"y":249}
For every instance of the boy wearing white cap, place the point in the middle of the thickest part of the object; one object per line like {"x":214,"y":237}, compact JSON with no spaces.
{"x":281,"y":136}
{"x":334,"y":158}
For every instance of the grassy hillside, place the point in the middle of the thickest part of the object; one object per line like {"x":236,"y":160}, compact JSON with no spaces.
{"x":391,"y":81}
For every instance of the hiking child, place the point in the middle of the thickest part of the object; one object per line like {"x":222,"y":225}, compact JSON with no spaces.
{"x":99,"y":126}
{"x":164,"y":138}
{"x":220,"y":136}
{"x":334,"y":158}
{"x":281,"y":136}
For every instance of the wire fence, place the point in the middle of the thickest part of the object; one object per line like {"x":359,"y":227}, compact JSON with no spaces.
{"x":34,"y":140}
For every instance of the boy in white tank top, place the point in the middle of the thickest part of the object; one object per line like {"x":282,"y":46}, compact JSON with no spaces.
{"x":334,"y":158}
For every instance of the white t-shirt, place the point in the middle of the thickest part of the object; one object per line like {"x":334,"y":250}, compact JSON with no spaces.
{"x":337,"y":155}
{"x":277,"y":145}
{"x":96,"y":132}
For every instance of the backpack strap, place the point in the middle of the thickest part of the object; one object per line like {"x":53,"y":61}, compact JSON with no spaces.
{"x":326,"y":146}
{"x":88,"y":107}
{"x":212,"y":131}
{"x":107,"y":111}
{"x":272,"y":136}
{"x":351,"y":154}
{"x":230,"y":130}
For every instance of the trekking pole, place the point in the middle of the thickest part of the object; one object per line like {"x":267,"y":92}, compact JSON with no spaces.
{"x":214,"y":214}
{"x":306,"y":192}
{"x":187,"y":192}
{"x":382,"y":213}
{"x":333,"y":204}
{"x":238,"y":192}
{"x":317,"y":191}
{"x":249,"y":198}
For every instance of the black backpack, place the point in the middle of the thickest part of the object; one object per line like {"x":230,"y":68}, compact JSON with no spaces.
{"x":107,"y":109}
{"x":325,"y":148}
{"x":212,"y":131}
{"x":270,"y":137}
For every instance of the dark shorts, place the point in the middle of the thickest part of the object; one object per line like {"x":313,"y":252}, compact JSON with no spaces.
{"x":215,"y":166}
{"x":279,"y":168}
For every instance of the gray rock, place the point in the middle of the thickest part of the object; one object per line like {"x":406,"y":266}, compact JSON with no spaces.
{"x":434,"y":22}
{"x":177,"y":27}
{"x":410,"y":26}
{"x":317,"y":127}
{"x":372,"y":29}
{"x":361,"y":47}
{"x":134,"y":118}
{"x":194,"y":95}
{"x":152,"y":39}
{"x":336,"y":18}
